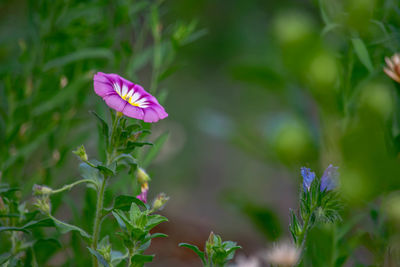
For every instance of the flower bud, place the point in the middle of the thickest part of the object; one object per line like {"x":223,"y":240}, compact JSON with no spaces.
{"x":81,"y":153}
{"x":210,"y":240}
{"x":143,"y":192}
{"x":160,"y":201}
{"x":106,"y":252}
{"x":41,"y":190}
{"x":43,"y":204}
{"x":142,"y":176}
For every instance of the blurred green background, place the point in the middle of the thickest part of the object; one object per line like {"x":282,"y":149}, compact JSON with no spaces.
{"x":254,"y":90}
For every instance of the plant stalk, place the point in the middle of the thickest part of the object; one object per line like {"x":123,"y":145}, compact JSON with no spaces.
{"x":97,"y":220}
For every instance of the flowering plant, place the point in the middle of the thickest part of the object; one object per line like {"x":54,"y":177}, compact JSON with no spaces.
{"x":319,"y":202}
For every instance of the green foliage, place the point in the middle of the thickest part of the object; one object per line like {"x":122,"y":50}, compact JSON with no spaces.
{"x":20,"y":229}
{"x":216,"y":252}
{"x":136,"y":225}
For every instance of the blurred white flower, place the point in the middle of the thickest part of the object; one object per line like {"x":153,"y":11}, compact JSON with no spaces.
{"x":243,"y":261}
{"x":284,"y":254}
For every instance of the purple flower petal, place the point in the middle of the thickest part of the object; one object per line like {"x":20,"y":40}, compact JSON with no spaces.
{"x":308,"y":178}
{"x":115,"y":102}
{"x":143,"y":194}
{"x":330,"y":178}
{"x":129,"y":98}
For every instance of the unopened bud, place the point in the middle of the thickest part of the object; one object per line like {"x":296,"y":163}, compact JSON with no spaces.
{"x":160,"y":201}
{"x":81,"y":153}
{"x":43,"y":204}
{"x":41,"y":190}
{"x":210,"y":243}
{"x":210,"y":240}
{"x":106,"y":252}
{"x":142,"y":176}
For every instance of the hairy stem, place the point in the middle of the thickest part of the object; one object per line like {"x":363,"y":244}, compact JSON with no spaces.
{"x":68,"y":187}
{"x":100,"y":193}
{"x":97,"y":220}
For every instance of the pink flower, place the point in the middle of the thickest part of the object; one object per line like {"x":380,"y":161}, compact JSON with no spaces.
{"x":129,"y":98}
{"x":143,"y":192}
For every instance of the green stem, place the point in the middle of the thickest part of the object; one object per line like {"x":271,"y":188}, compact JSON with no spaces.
{"x":97,"y":220}
{"x":110,"y":149}
{"x":100,"y":192}
{"x":304,"y":230}
{"x":302,"y":238}
{"x":129,"y":257}
{"x":68,"y":187}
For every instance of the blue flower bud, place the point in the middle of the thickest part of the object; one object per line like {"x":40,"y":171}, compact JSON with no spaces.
{"x":330,"y":178}
{"x":308,"y":178}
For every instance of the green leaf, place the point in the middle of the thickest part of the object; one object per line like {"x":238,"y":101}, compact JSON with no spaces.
{"x":10,"y":228}
{"x":155,"y":149}
{"x":5,"y":190}
{"x":195,"y":250}
{"x":154,"y":220}
{"x":158,"y":235}
{"x":83,"y":54}
{"x":130,"y":146}
{"x":121,"y":219}
{"x":89,"y":172}
{"x":99,"y":257}
{"x":105,"y":170}
{"x":41,"y":223}
{"x":128,"y":158}
{"x":5,"y":257}
{"x":124,"y":202}
{"x":117,"y":257}
{"x":134,"y":212}
{"x":138,"y":234}
{"x":362,"y":53}
{"x":104,"y":126}
{"x":65,"y":228}
{"x":30,"y":225}
{"x":140,"y":260}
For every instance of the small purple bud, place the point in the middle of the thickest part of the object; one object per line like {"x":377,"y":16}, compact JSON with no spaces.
{"x":330,"y":178}
{"x":308,"y":178}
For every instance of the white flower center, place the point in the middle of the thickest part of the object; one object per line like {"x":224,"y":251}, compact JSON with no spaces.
{"x":129,"y":95}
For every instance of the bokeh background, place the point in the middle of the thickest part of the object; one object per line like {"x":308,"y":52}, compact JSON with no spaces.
{"x":254,"y":90}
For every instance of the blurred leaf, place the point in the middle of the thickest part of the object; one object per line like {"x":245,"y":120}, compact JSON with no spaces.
{"x":155,"y":149}
{"x":261,"y":75}
{"x":104,"y":126}
{"x":263,"y":218}
{"x":362,"y":53}
{"x":83,"y":54}
{"x":44,"y":249}
{"x":140,"y":260}
{"x":63,"y":95}
{"x":5,"y":257}
{"x":29,"y":148}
